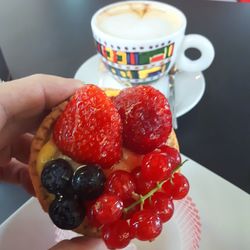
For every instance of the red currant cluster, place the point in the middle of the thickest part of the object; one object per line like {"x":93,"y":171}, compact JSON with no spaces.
{"x":134,"y":205}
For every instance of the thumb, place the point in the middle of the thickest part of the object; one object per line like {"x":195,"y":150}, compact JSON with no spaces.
{"x":80,"y":243}
{"x":85,"y":243}
{"x":32,"y":95}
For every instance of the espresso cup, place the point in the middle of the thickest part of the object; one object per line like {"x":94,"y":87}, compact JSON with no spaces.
{"x":139,"y":41}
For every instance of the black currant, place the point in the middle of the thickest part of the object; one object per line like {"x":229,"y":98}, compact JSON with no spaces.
{"x":88,"y":182}
{"x":56,"y":176}
{"x":66,"y":213}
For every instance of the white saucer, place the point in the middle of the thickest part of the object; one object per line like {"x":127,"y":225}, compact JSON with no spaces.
{"x":190,"y":87}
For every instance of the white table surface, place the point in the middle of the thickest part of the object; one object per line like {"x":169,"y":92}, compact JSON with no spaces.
{"x":224,"y":209}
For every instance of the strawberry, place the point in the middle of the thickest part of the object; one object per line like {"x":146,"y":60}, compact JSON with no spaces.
{"x":146,"y":118}
{"x":89,"y":129}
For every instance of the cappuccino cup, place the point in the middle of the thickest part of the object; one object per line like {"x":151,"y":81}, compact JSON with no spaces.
{"x":140,"y":41}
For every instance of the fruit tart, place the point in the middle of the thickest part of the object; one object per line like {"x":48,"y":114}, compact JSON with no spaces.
{"x":105,"y":163}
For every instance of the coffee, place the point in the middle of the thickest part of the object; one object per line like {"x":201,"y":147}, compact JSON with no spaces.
{"x":140,"y":41}
{"x":138,"y":21}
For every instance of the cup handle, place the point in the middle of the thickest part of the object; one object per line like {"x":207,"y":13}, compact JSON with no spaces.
{"x":203,"y":45}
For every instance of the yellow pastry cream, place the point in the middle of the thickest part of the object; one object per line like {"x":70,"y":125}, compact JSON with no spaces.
{"x":49,"y":152}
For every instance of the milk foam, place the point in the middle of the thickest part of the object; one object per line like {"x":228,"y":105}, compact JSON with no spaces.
{"x":128,"y":22}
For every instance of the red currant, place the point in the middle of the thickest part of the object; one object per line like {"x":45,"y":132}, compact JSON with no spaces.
{"x":131,"y":211}
{"x":145,"y":225}
{"x":178,"y":188}
{"x":107,"y":209}
{"x":172,"y":153}
{"x":162,"y":205}
{"x":90,"y":215}
{"x":142,"y":186}
{"x":117,"y":234}
{"x":121,"y":184}
{"x":156,"y":167}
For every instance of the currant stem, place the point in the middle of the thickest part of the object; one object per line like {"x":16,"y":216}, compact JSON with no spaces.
{"x":159,"y":185}
{"x":178,"y":167}
{"x":135,"y":196}
{"x":141,"y":205}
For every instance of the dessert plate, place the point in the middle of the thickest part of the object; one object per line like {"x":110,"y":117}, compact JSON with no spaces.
{"x":190,"y":87}
{"x":32,"y":229}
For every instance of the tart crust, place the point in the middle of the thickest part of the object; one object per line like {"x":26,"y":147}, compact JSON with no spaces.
{"x":41,"y":137}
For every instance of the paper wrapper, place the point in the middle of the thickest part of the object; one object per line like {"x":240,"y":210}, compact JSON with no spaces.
{"x":188,"y":218}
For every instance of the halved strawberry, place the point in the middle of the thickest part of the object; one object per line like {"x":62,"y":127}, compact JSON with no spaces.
{"x":146,"y":118}
{"x":89,"y":129}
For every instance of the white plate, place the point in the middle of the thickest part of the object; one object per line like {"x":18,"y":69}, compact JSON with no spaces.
{"x":224,"y":209}
{"x":190,"y":87}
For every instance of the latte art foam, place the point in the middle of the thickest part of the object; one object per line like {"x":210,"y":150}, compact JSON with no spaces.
{"x":138,"y":21}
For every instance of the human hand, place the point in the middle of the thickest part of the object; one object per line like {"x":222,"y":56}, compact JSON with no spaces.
{"x":85,"y":243}
{"x":23,"y":105}
{"x":80,"y":243}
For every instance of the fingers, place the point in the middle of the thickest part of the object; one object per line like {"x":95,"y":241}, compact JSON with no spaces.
{"x":32,"y":95}
{"x":17,"y":172}
{"x":80,"y":243}
{"x":14,"y":128}
{"x":5,"y":156}
{"x":26,"y":183}
{"x":20,"y":149}
{"x":85,"y":243}
{"x":24,"y":102}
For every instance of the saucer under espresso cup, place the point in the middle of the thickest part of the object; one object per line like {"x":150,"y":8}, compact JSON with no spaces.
{"x":139,"y":41}
{"x":189,"y":86}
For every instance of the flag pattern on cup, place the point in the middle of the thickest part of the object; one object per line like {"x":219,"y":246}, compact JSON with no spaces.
{"x":139,"y":76}
{"x":137,"y":67}
{"x":135,"y":58}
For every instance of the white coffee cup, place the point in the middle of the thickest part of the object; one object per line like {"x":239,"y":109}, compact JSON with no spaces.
{"x":139,"y":41}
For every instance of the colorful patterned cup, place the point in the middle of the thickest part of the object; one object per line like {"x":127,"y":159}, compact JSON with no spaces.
{"x":139,"y":41}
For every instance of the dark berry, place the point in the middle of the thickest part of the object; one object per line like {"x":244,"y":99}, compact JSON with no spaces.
{"x":88,"y":182}
{"x":56,"y":176}
{"x":66,"y":213}
{"x":145,"y":116}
